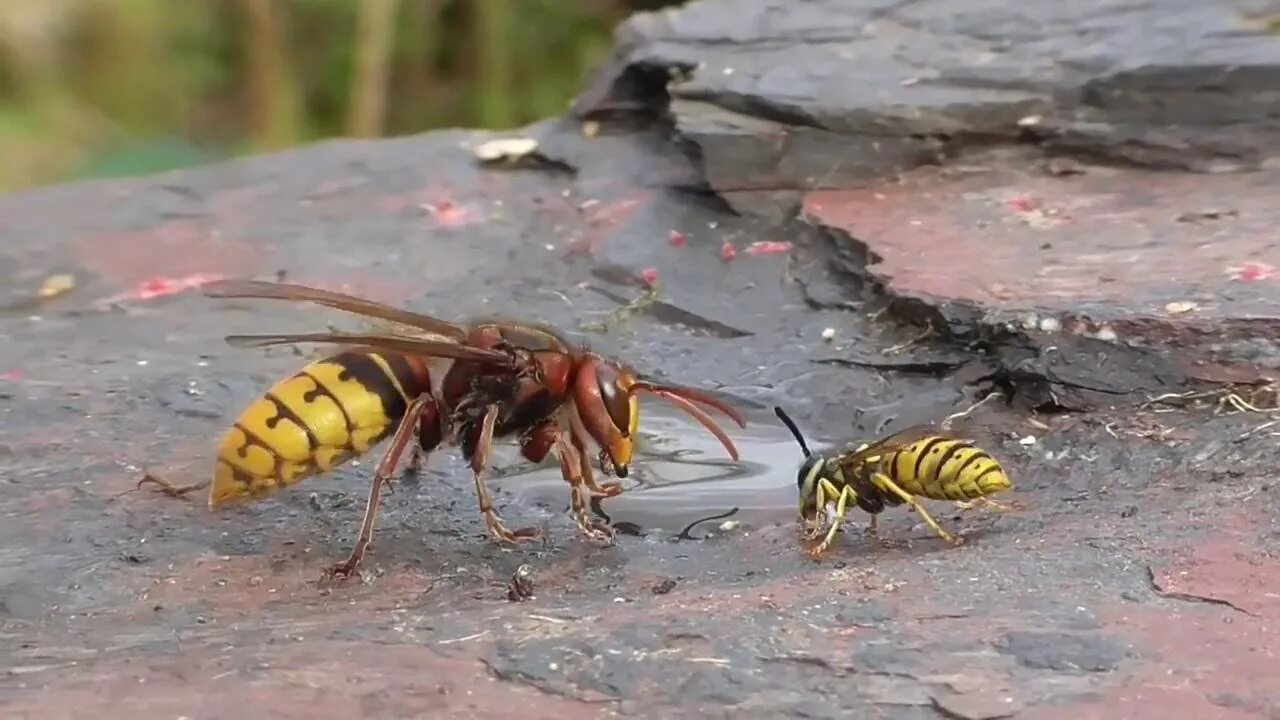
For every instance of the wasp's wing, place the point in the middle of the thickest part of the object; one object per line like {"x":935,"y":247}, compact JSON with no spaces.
{"x":894,"y":441}
{"x":397,"y":343}
{"x":328,"y":298}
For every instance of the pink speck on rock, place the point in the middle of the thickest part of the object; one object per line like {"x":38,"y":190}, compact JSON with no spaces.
{"x":12,"y":375}
{"x":1252,"y":271}
{"x":1022,"y":203}
{"x":769,"y":247}
{"x":676,"y":239}
{"x":728,"y":251}
{"x":449,"y":214}
{"x":650,"y":276}
{"x":158,"y":287}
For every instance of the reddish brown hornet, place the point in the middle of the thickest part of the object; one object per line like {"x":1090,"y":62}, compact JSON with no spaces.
{"x":465,"y":385}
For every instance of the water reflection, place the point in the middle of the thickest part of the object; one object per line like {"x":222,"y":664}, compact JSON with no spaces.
{"x":680,"y":476}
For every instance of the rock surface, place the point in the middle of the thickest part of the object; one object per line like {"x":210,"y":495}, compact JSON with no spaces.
{"x":949,"y":184}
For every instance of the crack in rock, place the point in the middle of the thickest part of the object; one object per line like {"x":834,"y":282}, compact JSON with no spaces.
{"x":1190,"y":597}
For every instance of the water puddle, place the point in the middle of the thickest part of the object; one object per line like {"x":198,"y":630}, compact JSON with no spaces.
{"x":681,"y":475}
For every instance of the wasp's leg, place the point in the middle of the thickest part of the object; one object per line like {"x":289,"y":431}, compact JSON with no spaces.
{"x":579,"y":435}
{"x":885,"y":484}
{"x":381,"y":476}
{"x":479,"y":462}
{"x":987,"y":502}
{"x":572,"y":463}
{"x":842,"y":505}
{"x":873,"y":528}
{"x":814,"y":526}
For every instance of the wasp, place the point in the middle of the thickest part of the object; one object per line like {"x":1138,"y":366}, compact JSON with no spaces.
{"x":918,"y":461}
{"x":443,"y":382}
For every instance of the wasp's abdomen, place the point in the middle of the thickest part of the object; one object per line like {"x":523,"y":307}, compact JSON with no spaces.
{"x":313,"y":421}
{"x":946,"y":469}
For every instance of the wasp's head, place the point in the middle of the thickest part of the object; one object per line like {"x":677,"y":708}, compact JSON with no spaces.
{"x":807,"y":478}
{"x":810,"y":470}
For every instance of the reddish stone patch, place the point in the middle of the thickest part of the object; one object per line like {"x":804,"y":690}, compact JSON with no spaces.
{"x":1202,"y":659}
{"x":437,"y":202}
{"x":178,"y":248}
{"x":38,"y":501}
{"x":603,"y":220}
{"x":283,"y":680}
{"x":251,"y":587}
{"x":1010,"y":239}
{"x":235,"y":587}
{"x":1226,"y":568}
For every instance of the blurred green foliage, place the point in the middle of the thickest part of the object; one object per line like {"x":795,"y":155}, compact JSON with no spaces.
{"x":92,"y":88}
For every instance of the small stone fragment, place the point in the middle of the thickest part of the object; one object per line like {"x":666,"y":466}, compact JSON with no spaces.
{"x":521,"y":586}
{"x":56,"y":285}
{"x":664,"y":587}
{"x":505,"y":149}
{"x":1181,"y":307}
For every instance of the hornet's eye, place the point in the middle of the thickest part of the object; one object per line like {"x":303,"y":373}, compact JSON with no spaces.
{"x":616,"y":399}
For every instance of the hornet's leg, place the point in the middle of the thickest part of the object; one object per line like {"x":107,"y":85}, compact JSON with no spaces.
{"x":430,"y":432}
{"x":572,"y":463}
{"x":842,"y":505}
{"x":873,"y":528}
{"x":167,"y":488}
{"x":381,"y":476}
{"x":535,"y":445}
{"x":579,"y":435}
{"x":415,"y":461}
{"x":887,"y":485}
{"x":479,"y":462}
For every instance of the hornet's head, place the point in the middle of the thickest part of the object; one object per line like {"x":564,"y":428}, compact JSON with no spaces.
{"x":606,"y":402}
{"x":606,"y":397}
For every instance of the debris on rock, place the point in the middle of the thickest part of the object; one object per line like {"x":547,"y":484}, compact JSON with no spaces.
{"x":505,"y":149}
{"x":56,"y":285}
{"x":517,"y":152}
{"x":663,"y":587}
{"x":520,"y":587}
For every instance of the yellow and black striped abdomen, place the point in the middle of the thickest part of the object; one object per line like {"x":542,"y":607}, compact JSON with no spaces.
{"x":327,"y":413}
{"x":946,"y":469}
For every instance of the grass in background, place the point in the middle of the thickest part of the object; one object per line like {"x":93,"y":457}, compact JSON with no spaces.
{"x":92,"y":88}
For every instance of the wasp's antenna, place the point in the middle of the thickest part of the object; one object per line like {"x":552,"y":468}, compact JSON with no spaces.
{"x":795,"y":431}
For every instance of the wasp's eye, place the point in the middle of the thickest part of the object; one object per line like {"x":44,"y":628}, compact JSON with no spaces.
{"x":616,"y":400}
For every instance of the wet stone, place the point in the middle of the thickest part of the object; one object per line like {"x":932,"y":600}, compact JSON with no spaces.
{"x":768,"y":97}
{"x":1064,"y":652}
{"x":986,"y":237}
{"x":1044,"y":257}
